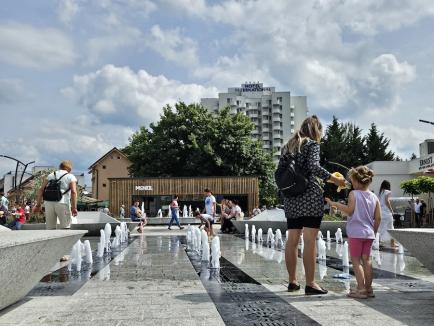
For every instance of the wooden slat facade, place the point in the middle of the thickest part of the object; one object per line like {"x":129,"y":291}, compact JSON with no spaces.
{"x":122,"y":190}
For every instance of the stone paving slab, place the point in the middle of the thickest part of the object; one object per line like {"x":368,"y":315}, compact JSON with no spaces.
{"x":395,"y":303}
{"x":153,"y":283}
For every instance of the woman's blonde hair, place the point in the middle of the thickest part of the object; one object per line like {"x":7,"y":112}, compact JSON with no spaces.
{"x":362,"y":174}
{"x":311,"y":128}
{"x":65,"y":165}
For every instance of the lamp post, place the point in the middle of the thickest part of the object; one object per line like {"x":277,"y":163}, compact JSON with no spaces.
{"x":426,"y":121}
{"x":25,"y":165}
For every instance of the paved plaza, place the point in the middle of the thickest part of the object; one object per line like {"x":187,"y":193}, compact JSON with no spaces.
{"x":154,"y":280}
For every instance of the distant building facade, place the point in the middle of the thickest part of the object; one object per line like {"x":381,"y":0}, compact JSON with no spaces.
{"x":397,"y":171}
{"x":113,"y":164}
{"x":276,"y":115}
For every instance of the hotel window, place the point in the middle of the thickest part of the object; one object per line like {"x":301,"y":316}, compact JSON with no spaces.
{"x":238,"y":103}
{"x":228,"y":100}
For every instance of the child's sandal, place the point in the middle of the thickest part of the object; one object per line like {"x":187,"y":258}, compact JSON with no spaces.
{"x":357,"y":294}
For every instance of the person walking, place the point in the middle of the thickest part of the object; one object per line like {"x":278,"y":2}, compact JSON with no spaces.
{"x":174,"y":208}
{"x":305,"y":211}
{"x":386,"y":214}
{"x":59,"y":194}
{"x":364,"y":218}
{"x":210,"y":203}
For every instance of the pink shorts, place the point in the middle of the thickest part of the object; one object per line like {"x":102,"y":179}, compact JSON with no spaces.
{"x":360,"y":247}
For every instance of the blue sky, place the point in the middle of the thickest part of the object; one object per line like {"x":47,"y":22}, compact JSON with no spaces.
{"x":77,"y":77}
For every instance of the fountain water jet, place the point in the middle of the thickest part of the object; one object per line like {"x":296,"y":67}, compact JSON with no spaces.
{"x":215,"y":252}
{"x":205,"y":246}
{"x":260,"y":236}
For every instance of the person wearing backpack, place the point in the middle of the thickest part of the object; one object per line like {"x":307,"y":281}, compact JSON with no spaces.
{"x":59,"y":193}
{"x":303,"y":199}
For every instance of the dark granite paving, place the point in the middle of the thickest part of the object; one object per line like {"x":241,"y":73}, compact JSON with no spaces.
{"x":241,"y":300}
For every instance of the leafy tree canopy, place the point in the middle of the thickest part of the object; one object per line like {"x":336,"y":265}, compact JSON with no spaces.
{"x":188,"y":140}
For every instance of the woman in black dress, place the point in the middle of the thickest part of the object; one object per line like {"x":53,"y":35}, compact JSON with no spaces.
{"x":305,"y":211}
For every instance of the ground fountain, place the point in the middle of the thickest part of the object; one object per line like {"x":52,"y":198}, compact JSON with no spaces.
{"x":279,"y":241}
{"x":260,"y":236}
{"x":345,"y":255}
{"x":160,"y":213}
{"x":253,"y":233}
{"x":400,"y":249}
{"x":338,"y":236}
{"x":329,"y":239}
{"x":205,"y":246}
{"x":215,"y":252}
{"x":321,"y":245}
{"x":270,"y":237}
{"x":246,"y":231}
{"x":101,"y":244}
{"x":185,"y":212}
{"x":108,"y":232}
{"x":198,"y":237}
{"x":87,"y":252}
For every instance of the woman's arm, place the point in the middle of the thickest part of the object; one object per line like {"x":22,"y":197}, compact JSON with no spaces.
{"x":377,"y":216}
{"x":317,"y":170}
{"x":347,"y":209}
{"x":387,"y":200}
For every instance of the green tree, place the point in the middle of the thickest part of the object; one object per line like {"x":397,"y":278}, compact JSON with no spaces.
{"x":426,"y":186}
{"x":188,"y":140}
{"x":410,"y":187}
{"x":354,"y":146}
{"x":377,"y":146}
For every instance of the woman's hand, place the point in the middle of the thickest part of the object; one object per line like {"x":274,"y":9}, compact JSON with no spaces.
{"x":329,"y":201}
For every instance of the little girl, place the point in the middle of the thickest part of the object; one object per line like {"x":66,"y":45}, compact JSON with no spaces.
{"x":364,"y":216}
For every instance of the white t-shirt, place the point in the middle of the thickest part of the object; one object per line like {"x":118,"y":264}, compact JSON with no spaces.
{"x":209,"y":203}
{"x":236,"y":211}
{"x":417,"y":207}
{"x":64,"y":184}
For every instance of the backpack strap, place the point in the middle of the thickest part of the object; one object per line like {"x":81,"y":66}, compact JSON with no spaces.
{"x":57,"y":180}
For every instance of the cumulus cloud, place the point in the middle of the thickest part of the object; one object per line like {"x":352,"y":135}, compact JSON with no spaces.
{"x":172,"y":45}
{"x":34,"y":47}
{"x":67,"y":9}
{"x":118,"y":95}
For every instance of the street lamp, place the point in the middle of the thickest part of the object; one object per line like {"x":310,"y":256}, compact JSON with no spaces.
{"x":25,"y":165}
{"x":426,"y":121}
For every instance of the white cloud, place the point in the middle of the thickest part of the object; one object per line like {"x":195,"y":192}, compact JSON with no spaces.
{"x":67,"y":9}
{"x":118,"y":95}
{"x":116,"y":37}
{"x":172,"y":45}
{"x":11,"y":91}
{"x":33,"y":47}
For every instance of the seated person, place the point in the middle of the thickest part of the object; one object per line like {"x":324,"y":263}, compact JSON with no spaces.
{"x":234,"y":214}
{"x":136,"y":215}
{"x":20,"y":218}
{"x":256,"y":211}
{"x":226,"y":210}
{"x":207,"y":220}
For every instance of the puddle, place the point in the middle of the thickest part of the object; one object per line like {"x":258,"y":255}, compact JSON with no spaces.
{"x":62,"y":282}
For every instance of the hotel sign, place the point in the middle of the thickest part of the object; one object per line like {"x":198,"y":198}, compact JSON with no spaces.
{"x":144,"y":188}
{"x":426,"y":163}
{"x":253,"y":87}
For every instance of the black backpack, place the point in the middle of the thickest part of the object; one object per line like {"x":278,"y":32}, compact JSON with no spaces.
{"x":52,"y":191}
{"x":290,"y":179}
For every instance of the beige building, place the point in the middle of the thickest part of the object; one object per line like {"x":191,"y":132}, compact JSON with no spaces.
{"x":113,"y":164}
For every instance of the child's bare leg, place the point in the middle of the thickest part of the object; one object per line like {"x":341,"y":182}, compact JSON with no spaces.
{"x":367,"y":269}
{"x":358,"y":272}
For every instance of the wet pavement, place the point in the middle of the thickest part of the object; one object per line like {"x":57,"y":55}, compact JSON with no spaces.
{"x":155,"y":280}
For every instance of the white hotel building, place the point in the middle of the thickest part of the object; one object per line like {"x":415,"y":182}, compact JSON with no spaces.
{"x":276,"y":115}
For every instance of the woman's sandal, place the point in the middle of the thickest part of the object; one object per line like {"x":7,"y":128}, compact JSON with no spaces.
{"x":370,"y":293}
{"x":357,"y":294}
